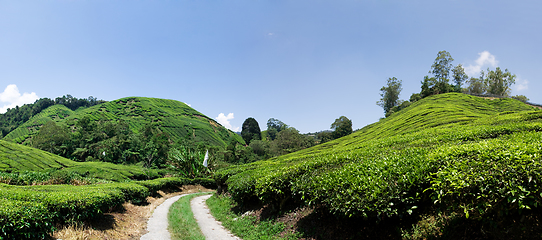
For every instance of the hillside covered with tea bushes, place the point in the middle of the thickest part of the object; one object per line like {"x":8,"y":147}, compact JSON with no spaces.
{"x":477,"y":157}
{"x":175,"y":118}
{"x":40,"y":190}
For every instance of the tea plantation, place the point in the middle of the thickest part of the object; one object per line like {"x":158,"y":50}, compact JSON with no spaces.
{"x":33,"y":202}
{"x":455,"y":152}
{"x":173,"y":117}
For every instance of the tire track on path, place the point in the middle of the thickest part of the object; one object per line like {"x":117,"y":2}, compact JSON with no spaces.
{"x":210,"y":227}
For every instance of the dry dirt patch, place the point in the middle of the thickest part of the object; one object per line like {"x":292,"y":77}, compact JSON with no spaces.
{"x":127,"y":223}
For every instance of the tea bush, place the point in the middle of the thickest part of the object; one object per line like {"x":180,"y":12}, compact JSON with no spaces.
{"x":463,"y":153}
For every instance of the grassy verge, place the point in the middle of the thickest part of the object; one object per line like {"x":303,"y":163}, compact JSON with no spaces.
{"x":242,"y":225}
{"x":182,"y":224}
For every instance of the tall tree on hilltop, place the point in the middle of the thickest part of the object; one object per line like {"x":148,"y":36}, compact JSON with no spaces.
{"x":342,"y":127}
{"x":251,"y":130}
{"x":499,"y":82}
{"x":442,"y":66}
{"x":390,"y":94}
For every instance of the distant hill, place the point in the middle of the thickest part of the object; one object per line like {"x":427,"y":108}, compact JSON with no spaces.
{"x":173,"y":117}
{"x":19,"y":158}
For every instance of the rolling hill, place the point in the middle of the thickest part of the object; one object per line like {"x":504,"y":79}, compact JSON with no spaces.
{"x":16,"y":158}
{"x":461,"y":155}
{"x":173,"y":117}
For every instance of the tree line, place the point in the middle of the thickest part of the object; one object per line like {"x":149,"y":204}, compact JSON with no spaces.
{"x":14,"y":117}
{"x":278,"y":139}
{"x":448,"y":78}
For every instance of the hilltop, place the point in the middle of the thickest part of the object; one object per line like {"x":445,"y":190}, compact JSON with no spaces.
{"x":177,"y":119}
{"x":445,"y":161}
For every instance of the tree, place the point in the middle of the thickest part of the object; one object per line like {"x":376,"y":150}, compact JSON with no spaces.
{"x":390,"y":94}
{"x":522,"y":98}
{"x":477,"y":85}
{"x":325,"y":136}
{"x":499,"y":82}
{"x":459,"y":76}
{"x":290,"y":140}
{"x":415,"y":97}
{"x":51,"y":138}
{"x":274,"y":126}
{"x":442,"y":66}
{"x":250,"y":130}
{"x":342,"y":127}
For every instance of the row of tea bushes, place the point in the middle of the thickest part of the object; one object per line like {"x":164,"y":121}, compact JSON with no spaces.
{"x":484,"y":161}
{"x":32,"y":211}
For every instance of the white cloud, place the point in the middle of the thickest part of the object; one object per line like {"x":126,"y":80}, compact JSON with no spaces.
{"x":225,"y":121}
{"x":13,"y":97}
{"x":521,"y":84}
{"x":485,"y":59}
{"x":190,"y":105}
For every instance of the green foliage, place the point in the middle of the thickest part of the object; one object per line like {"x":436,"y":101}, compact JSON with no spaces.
{"x":274,"y":126}
{"x":175,"y":118}
{"x":521,"y":98}
{"x":469,"y":153}
{"x":24,"y":220}
{"x":187,"y":162}
{"x":32,"y":211}
{"x":341,"y":127}
{"x":459,"y":75}
{"x":499,"y":82}
{"x":51,"y":138}
{"x":245,"y":226}
{"x":442,"y":66}
{"x":17,"y":116}
{"x":251,"y":130}
{"x":390,"y":94}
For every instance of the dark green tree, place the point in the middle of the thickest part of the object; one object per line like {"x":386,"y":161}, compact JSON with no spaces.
{"x":250,"y":130}
{"x":325,"y":136}
{"x":390,"y":94}
{"x":341,"y":127}
{"x":52,"y":138}
{"x":290,"y":140}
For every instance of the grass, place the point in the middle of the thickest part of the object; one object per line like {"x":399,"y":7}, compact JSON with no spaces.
{"x":244,"y":225}
{"x":182,"y":224}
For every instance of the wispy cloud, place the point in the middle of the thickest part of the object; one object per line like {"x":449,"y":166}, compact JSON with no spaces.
{"x":485,"y":59}
{"x":13,"y":97}
{"x":225,"y":121}
{"x":521,"y":84}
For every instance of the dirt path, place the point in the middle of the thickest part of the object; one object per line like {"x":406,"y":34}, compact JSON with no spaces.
{"x":210,"y":227}
{"x":158,"y":223}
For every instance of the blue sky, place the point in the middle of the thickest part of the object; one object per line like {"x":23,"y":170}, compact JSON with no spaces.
{"x":305,"y":63}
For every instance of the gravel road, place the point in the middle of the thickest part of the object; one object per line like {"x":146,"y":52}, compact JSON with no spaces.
{"x":210,"y":227}
{"x":157,"y":224}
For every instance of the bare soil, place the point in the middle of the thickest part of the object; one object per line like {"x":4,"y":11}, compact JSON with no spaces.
{"x":128,"y":222}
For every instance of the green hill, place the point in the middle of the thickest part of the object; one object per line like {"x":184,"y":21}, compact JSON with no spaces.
{"x":55,"y":113}
{"x":173,"y":117}
{"x":16,"y":158}
{"x":474,"y":157}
